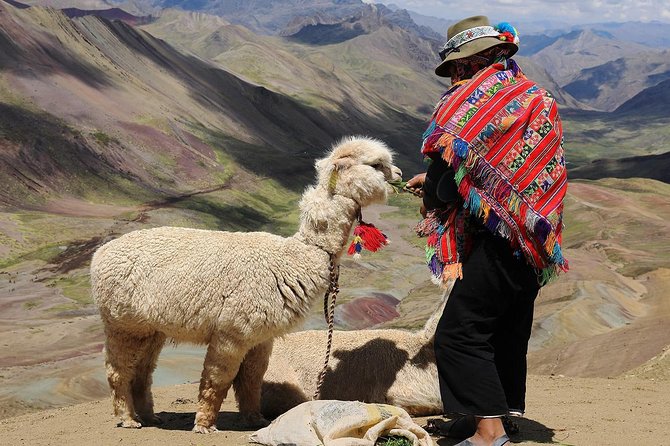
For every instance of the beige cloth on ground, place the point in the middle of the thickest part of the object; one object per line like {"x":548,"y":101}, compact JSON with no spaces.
{"x":340,"y":423}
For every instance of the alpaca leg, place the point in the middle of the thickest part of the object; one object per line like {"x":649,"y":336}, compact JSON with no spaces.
{"x":121,"y":356}
{"x":221,"y":365}
{"x":248,"y":382}
{"x":141,"y":384}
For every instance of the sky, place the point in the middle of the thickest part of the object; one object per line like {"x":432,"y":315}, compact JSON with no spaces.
{"x":571,"y":12}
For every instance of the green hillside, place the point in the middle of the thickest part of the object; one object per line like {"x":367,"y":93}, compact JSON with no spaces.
{"x":385,"y":68}
{"x":591,"y":136}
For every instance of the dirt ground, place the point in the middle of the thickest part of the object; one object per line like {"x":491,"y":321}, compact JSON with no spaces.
{"x":594,"y":323}
{"x":561,"y":410}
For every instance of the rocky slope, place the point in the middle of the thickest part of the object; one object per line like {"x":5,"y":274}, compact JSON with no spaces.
{"x":608,"y":86}
{"x":578,"y":50}
{"x":367,"y":19}
{"x":88,"y":75}
{"x":263,"y":16}
{"x":379,"y":70}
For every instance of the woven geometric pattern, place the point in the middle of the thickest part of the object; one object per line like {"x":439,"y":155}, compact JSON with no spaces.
{"x":503,"y":136}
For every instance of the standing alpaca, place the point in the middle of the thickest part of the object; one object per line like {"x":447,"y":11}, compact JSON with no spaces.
{"x":232,"y":291}
{"x":374,"y":366}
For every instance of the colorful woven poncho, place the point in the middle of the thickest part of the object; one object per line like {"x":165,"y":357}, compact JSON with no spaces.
{"x":503,"y":137}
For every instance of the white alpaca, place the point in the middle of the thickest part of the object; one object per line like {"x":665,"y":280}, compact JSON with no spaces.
{"x":374,"y":366}
{"x":232,"y":291}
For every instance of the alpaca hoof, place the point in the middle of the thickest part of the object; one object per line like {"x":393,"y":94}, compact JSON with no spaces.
{"x":253,"y":420}
{"x":151,"y":420}
{"x":130,"y":424}
{"x":204,"y":430}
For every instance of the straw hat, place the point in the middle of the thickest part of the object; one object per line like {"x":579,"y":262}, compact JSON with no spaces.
{"x":473,"y":35}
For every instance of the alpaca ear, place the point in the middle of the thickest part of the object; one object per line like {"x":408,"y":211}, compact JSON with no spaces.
{"x":338,"y":166}
{"x":342,"y":163}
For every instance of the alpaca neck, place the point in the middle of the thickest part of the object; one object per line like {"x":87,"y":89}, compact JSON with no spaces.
{"x":326,"y":220}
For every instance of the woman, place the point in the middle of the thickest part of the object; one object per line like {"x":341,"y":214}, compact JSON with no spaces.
{"x":492,"y":201}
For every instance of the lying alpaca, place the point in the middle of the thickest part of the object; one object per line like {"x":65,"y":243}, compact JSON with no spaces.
{"x":232,"y":291}
{"x":374,"y":366}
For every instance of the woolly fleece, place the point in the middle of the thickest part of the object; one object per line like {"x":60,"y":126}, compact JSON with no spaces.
{"x":234,"y":292}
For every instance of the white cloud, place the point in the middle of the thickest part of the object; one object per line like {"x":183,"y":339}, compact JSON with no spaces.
{"x":568,"y":11}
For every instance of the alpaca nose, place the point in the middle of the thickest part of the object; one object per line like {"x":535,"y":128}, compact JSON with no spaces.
{"x":396,"y":174}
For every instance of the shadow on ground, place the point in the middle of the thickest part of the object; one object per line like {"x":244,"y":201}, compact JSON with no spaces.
{"x":183,"y":421}
{"x":529,"y":431}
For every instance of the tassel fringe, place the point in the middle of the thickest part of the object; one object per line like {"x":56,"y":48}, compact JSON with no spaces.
{"x":468,"y":166}
{"x":366,"y":236}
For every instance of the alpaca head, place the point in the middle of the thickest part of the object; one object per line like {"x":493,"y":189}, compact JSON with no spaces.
{"x":358,"y":168}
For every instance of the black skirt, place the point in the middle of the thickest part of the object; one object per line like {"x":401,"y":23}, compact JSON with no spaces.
{"x":481,"y":340}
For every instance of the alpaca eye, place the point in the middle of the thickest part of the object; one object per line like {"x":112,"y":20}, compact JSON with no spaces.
{"x":378,"y":166}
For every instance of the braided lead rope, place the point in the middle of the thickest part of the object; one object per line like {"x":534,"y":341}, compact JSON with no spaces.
{"x":329,"y":314}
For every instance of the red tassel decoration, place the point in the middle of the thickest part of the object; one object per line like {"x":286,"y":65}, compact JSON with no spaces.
{"x":367,"y":236}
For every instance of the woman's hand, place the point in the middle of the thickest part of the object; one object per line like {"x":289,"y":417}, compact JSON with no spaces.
{"x":415,"y":184}
{"x":422,"y":210}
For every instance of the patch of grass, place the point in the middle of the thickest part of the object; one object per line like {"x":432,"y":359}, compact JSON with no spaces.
{"x":223,"y":216}
{"x":30,"y":217}
{"x":31,"y":304}
{"x":103,"y":138}
{"x":393,"y":440}
{"x":216,"y":142}
{"x":125,"y":192}
{"x":278,"y":203}
{"x":406,"y":215}
{"x":590,"y":137}
{"x":44,"y":253}
{"x":42,"y":236}
{"x":76,"y":288}
{"x":292,"y":170}
{"x":407,"y":206}
{"x":64,"y":307}
{"x":161,"y":124}
{"x":166,"y":160}
{"x":8,"y":94}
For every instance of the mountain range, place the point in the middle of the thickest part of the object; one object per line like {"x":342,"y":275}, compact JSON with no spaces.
{"x":586,"y":69}
{"x":84,"y":76}
{"x":354,"y":67}
{"x":599,"y":65}
{"x":609,"y":85}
